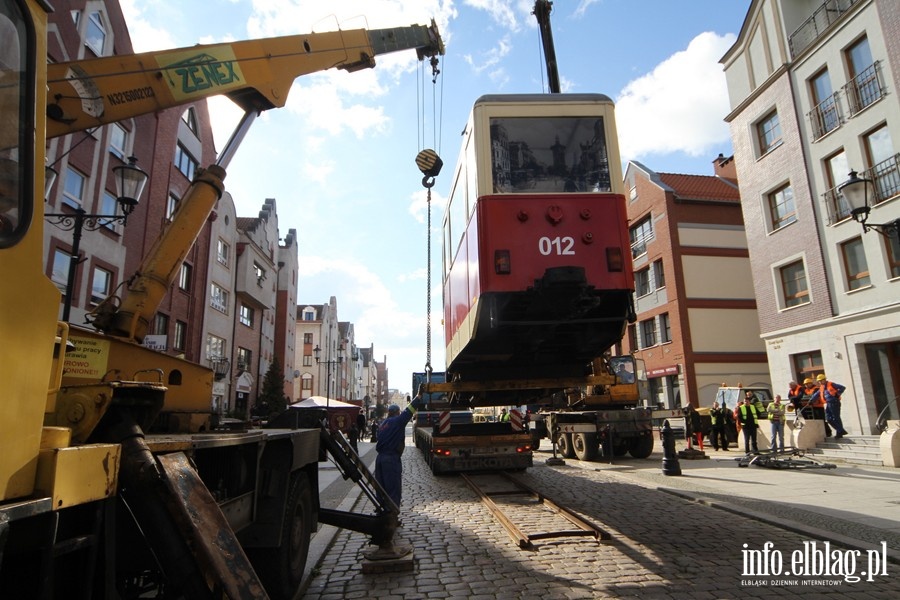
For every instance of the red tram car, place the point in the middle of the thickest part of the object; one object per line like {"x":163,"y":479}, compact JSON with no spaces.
{"x":537,"y":274}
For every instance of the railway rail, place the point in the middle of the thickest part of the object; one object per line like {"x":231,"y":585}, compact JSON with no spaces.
{"x":526,"y":506}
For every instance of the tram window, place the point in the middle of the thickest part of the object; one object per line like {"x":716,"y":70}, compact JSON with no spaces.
{"x":16,"y":148}
{"x":549,"y":154}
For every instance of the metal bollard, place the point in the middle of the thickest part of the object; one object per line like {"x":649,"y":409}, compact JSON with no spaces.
{"x":670,"y":466}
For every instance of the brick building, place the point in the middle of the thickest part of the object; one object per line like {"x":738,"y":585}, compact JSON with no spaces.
{"x":697,"y":324}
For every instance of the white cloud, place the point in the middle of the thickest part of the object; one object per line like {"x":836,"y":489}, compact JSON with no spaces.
{"x":418,"y":207}
{"x":668,"y":110}
{"x":509,"y":14}
{"x":144,"y":36}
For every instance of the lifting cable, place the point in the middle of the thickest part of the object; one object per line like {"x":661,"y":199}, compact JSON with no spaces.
{"x":429,"y":164}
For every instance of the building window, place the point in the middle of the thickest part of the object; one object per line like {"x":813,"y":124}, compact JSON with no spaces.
{"x":648,"y":333}
{"x":768,"y":132}
{"x":171,"y":205}
{"x":307,"y":382}
{"x":855,"y":268}
{"x":222,"y":250}
{"x":640,"y":234}
{"x":307,"y":360}
{"x":244,"y":358}
{"x":781,"y":207}
{"x":180,"y":335}
{"x":793,"y":284}
{"x":825,"y":117}
{"x":659,"y":274}
{"x":246,"y":315}
{"x":185,"y":162}
{"x":215,"y":347}
{"x":184,"y":277}
{"x":218,"y":298}
{"x":73,"y":187}
{"x":642,"y":282}
{"x":808,"y":364}
{"x":160,"y":324}
{"x":665,"y":328}
{"x":864,"y":87}
{"x":836,"y":169}
{"x":309,"y":315}
{"x":259,"y":273}
{"x":118,"y":138}
{"x":307,"y":338}
{"x":880,"y":151}
{"x":95,"y":33}
{"x":190,"y":119}
{"x":108,"y":206}
{"x":100,"y":285}
{"x":60,"y":274}
{"x":893,"y":255}
{"x":632,"y":338}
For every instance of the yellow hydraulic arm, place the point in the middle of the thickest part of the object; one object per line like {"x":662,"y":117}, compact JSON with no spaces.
{"x":255,"y":74}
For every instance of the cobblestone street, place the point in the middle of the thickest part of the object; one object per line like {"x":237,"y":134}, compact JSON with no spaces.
{"x":662,"y":546}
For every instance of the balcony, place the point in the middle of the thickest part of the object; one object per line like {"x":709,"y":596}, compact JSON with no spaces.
{"x":813,"y":27}
{"x":886,"y":176}
{"x":864,"y":89}
{"x":825,"y":117}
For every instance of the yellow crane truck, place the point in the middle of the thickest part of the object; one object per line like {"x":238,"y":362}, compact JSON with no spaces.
{"x":92,"y":504}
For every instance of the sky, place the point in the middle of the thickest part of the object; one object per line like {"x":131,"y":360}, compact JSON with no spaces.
{"x":339,"y":157}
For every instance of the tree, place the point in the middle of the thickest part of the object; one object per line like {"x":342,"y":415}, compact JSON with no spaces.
{"x":271,"y":400}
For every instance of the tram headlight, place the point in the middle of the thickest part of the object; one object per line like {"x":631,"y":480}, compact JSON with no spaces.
{"x":614,"y":261}
{"x":502,"y":264}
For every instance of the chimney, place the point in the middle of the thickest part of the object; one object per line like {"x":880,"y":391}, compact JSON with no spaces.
{"x":724,"y":167}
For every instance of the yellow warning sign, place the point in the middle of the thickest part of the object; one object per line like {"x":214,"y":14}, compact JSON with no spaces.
{"x":88,"y":359}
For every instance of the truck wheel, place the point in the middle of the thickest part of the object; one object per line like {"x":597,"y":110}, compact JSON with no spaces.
{"x":564,"y":444}
{"x":642,"y":447}
{"x":621,"y":448}
{"x":535,"y":443}
{"x":281,"y":568}
{"x":585,"y":446}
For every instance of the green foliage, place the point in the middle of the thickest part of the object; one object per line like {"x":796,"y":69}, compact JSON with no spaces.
{"x":271,"y":400}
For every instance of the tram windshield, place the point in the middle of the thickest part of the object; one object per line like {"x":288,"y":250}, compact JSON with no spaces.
{"x":549,"y":154}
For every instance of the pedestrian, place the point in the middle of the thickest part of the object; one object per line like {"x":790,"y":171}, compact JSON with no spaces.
{"x":390,"y":445}
{"x":353,"y":434}
{"x":374,"y":431}
{"x":831,"y":392}
{"x":749,"y":421}
{"x":695,"y":430}
{"x":736,"y":416}
{"x":718,"y":419}
{"x":815,"y":404}
{"x":361,"y":423}
{"x":750,"y":397}
{"x":504,"y":415}
{"x":795,"y":398}
{"x":776,"y":418}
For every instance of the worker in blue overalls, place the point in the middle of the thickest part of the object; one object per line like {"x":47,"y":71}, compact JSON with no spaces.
{"x":391,"y":441}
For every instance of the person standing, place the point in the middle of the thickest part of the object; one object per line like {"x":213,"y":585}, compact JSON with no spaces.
{"x":776,"y":418}
{"x":815,"y":404}
{"x":831,"y":393}
{"x":795,"y":397}
{"x":389,"y":448}
{"x":353,"y":436}
{"x":504,"y":415}
{"x":718,"y":418}
{"x":749,"y":421}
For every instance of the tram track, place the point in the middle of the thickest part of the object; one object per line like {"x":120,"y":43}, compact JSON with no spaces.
{"x":523,"y":507}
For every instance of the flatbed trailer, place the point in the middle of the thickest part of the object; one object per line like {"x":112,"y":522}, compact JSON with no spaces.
{"x":472,"y":447}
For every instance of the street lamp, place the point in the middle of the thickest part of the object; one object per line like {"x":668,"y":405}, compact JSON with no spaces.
{"x":340,"y":358}
{"x":130,"y":182}
{"x":859,"y":191}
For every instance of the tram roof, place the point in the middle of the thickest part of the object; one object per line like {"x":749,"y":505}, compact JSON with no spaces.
{"x":536,"y":98}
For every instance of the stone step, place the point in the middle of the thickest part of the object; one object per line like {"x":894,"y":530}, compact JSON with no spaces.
{"x":845,"y":444}
{"x":856,"y":456}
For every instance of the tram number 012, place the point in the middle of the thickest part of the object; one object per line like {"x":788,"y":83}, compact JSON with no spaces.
{"x":560,"y":246}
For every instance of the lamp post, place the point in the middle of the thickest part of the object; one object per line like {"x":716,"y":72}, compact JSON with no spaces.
{"x":340,"y":358}
{"x":859,"y":192}
{"x":130,"y":182}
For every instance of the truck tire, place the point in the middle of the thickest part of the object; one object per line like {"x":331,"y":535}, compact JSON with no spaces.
{"x":564,"y":444}
{"x":535,"y":442}
{"x":281,"y":568}
{"x":642,"y":446}
{"x":585,"y":446}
